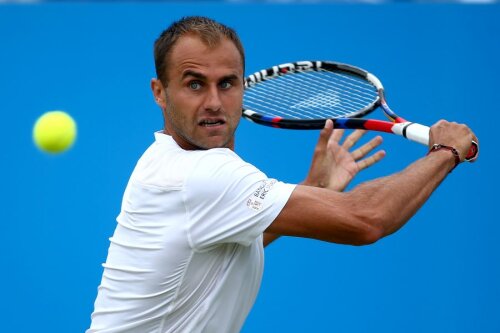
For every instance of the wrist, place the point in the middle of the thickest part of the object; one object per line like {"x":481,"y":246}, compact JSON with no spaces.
{"x":449,"y":150}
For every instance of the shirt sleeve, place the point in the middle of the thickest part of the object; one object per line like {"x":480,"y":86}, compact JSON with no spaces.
{"x":230,"y":201}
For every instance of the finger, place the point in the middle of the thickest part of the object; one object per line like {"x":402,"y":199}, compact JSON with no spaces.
{"x":353,"y":138}
{"x":329,"y":123}
{"x":325,"y":134}
{"x":366,"y":148}
{"x":337,"y":134}
{"x":369,"y":161}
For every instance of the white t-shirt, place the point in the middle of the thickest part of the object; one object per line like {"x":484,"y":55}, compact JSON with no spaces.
{"x":187,"y":253}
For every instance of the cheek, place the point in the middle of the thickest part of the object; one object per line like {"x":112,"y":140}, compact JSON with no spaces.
{"x":182,"y":107}
{"x":235,"y":100}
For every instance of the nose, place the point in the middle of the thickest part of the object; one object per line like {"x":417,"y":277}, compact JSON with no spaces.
{"x":212,"y":100}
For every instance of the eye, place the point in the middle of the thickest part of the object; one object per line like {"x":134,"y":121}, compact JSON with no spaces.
{"x":195,"y":85}
{"x":226,"y":85}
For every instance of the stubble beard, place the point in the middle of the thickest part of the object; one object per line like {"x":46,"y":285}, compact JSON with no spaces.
{"x":170,"y":110}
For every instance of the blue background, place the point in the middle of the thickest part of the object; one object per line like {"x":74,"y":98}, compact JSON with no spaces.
{"x":441,"y":273}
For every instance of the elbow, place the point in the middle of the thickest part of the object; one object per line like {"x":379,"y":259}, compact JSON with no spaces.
{"x":371,"y":229}
{"x":370,"y":234}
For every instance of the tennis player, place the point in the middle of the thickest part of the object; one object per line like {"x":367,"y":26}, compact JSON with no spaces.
{"x":187,"y":252}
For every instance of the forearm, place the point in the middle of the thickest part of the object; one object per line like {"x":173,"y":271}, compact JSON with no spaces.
{"x":395,"y":199}
{"x":367,"y":213}
{"x":377,"y":208}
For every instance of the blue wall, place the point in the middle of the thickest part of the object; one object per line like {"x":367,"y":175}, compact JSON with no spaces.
{"x":441,"y":273}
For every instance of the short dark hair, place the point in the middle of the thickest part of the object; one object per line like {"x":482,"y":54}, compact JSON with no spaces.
{"x":208,"y":30}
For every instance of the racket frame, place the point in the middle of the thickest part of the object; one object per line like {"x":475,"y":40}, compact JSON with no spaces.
{"x":352,"y":121}
{"x":397,"y":125}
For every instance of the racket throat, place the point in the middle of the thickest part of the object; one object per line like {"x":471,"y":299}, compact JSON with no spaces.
{"x":412,"y":131}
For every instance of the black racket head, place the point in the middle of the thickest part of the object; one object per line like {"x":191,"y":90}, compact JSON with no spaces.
{"x":304,"y":94}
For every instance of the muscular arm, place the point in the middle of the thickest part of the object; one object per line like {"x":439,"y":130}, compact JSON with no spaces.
{"x":367,"y":213}
{"x":334,"y":165}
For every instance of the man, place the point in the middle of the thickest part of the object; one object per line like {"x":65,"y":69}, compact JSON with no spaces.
{"x":187,"y":253}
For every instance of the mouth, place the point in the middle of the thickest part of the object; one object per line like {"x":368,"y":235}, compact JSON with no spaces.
{"x":211,"y":122}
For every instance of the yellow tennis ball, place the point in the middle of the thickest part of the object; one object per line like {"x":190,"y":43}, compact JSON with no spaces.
{"x":54,"y":132}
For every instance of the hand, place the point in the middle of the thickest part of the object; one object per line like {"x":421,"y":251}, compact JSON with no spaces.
{"x":333,"y":166}
{"x":452,"y":134}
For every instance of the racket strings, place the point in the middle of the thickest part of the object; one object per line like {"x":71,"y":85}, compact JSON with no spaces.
{"x":273,"y":99}
{"x":325,"y":90}
{"x":279,"y":99}
{"x":291,"y":93}
{"x":321,"y":95}
{"x":326,"y":95}
{"x":360,"y":90}
{"x":310,"y":95}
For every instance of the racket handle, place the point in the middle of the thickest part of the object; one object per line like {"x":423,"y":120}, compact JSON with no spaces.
{"x":420,"y":133}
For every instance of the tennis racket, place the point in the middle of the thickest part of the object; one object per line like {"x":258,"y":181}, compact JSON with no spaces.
{"x":304,"y":94}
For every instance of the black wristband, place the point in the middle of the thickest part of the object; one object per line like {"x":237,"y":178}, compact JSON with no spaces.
{"x":455,"y":153}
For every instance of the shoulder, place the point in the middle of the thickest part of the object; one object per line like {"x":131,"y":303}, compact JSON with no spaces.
{"x":165,"y":165}
{"x":213,"y":160}
{"x":221,"y":164}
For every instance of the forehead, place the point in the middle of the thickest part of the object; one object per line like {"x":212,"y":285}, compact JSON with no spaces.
{"x":190,"y":52}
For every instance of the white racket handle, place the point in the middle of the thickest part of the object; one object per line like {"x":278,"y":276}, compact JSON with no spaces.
{"x":413,"y":131}
{"x":420,"y":133}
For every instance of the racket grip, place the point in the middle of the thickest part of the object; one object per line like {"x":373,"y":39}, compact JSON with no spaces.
{"x":420,"y":133}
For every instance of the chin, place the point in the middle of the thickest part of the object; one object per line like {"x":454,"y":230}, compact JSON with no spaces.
{"x":217,"y":144}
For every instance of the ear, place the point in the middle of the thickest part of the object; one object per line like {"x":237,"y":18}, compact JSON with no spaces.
{"x":158,"y":93}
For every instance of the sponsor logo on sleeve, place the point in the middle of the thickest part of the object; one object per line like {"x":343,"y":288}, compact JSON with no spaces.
{"x":256,"y":200}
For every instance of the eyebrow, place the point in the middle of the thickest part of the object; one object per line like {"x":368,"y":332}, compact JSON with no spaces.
{"x":200,"y":76}
{"x":193,"y":74}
